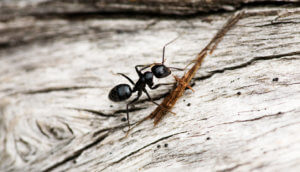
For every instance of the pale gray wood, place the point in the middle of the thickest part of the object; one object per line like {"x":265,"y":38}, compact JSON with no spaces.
{"x":56,"y":73}
{"x":13,"y":8}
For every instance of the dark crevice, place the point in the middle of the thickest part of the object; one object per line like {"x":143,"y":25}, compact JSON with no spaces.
{"x":192,"y":12}
{"x":188,"y":10}
{"x":44,"y":37}
{"x":129,"y":110}
{"x":136,"y":151}
{"x":76,"y":153}
{"x":278,"y":23}
{"x":271,"y":3}
{"x":152,"y":143}
{"x":53,"y":89}
{"x":111,"y":129}
{"x":295,"y":83}
{"x":41,"y":130}
{"x":254,"y":119}
{"x":242,"y":65}
{"x":233,"y":167}
{"x":94,"y":112}
{"x":99,"y":113}
{"x":120,"y":14}
{"x":114,"y":114}
{"x":69,"y":128}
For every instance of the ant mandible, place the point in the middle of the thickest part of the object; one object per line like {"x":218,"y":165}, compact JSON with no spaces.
{"x":123,"y":92}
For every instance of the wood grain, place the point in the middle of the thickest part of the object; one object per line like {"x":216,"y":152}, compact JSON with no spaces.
{"x":71,"y":8}
{"x":56,"y":73}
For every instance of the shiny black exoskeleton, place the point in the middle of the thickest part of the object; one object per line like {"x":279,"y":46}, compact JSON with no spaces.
{"x":120,"y":92}
{"x":160,"y":71}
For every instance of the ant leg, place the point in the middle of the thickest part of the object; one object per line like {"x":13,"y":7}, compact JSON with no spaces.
{"x":139,"y":71}
{"x":147,"y":66}
{"x":127,"y":106}
{"x":150,"y":99}
{"x":158,"y":85}
{"x":125,"y":76}
{"x":191,"y":62}
{"x":144,"y":67}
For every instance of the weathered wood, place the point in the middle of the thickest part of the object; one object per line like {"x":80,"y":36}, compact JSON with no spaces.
{"x":56,"y":73}
{"x":9,"y":9}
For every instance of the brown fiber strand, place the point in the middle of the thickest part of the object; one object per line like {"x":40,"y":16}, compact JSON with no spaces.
{"x":176,"y":93}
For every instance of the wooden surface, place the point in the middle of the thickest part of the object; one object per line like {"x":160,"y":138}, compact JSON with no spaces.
{"x":14,"y":8}
{"x":56,"y":73}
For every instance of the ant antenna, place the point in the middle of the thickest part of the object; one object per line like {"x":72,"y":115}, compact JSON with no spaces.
{"x":163,"y":56}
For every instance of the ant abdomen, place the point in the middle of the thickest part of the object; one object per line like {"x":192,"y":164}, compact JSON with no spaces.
{"x":120,"y":92}
{"x":160,"y":71}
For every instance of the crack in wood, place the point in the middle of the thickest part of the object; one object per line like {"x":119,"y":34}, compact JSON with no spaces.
{"x":41,"y":130}
{"x":99,"y":113}
{"x":69,"y":128}
{"x":131,"y":8}
{"x":233,"y":167}
{"x":110,"y":129}
{"x":76,"y":153}
{"x":44,"y":34}
{"x":113,"y":114}
{"x":254,"y":119}
{"x":278,"y":23}
{"x":246,"y":64}
{"x":54,"y":89}
{"x":287,"y":84}
{"x":136,"y":151}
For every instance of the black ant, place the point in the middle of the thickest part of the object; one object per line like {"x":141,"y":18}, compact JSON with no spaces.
{"x":122,"y":92}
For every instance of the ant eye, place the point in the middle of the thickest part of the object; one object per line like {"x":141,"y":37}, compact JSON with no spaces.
{"x":160,"y":71}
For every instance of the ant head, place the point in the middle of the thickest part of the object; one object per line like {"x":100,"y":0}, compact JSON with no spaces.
{"x":148,"y":78}
{"x":160,"y":71}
